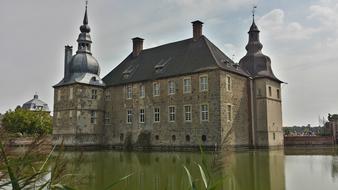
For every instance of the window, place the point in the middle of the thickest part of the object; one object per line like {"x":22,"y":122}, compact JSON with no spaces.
{"x":228,"y":83}
{"x":203,"y":83}
{"x":187,"y":138}
{"x":157,"y":137}
{"x":94,"y":94}
{"x":204,"y":112}
{"x":278,"y":94}
{"x":171,"y":87}
{"x":187,"y":113}
{"x":107,"y":96}
{"x":156,"y":115}
{"x":274,"y":136}
{"x":172,"y":113}
{"x":93,"y":117}
{"x":173,"y":137}
{"x":129,"y":116}
{"x":156,"y":89}
{"x":129,"y":92}
{"x":142,"y":91}
{"x":70,"y":114}
{"x":121,"y":137}
{"x":270,"y":93}
{"x":187,"y":85}
{"x":71,"y":93}
{"x":204,"y":138}
{"x":142,"y":118}
{"x":229,"y":112}
{"x":107,"y":118}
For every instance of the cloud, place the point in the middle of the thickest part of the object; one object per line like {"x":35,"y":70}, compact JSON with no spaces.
{"x":275,"y":26}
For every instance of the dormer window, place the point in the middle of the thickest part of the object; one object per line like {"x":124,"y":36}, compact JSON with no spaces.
{"x":161,"y":64}
{"x":127,"y":73}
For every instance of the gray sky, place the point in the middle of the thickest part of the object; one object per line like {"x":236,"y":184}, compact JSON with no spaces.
{"x":301,"y":38}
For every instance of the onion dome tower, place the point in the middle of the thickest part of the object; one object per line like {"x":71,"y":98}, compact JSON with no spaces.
{"x":255,"y":62}
{"x":265,"y":93}
{"x":81,"y":67}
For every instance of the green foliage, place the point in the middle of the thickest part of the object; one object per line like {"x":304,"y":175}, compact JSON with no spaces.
{"x":27,"y":122}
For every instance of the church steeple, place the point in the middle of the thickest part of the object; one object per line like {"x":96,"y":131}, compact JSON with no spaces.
{"x":84,"y":40}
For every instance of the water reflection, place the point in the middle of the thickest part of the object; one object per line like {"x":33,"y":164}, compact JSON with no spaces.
{"x":241,"y":170}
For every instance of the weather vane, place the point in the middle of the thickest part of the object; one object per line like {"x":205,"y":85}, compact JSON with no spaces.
{"x":253,"y":11}
{"x":86,"y":3}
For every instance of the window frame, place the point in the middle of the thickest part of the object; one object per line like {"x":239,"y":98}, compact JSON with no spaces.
{"x":185,"y":113}
{"x":203,"y":111}
{"x":94,"y":94}
{"x":156,"y":88}
{"x":129,"y":119}
{"x":129,"y":92}
{"x":142,"y":115}
{"x":93,"y":117}
{"x":185,"y":91}
{"x":204,"y":87}
{"x":142,"y":91}
{"x":228,"y":83}
{"x":172,"y":114}
{"x":229,"y":113}
{"x":155,"y":113}
{"x":171,"y":87}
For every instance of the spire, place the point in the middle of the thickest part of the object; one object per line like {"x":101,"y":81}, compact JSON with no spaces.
{"x":254,"y":45}
{"x":84,"y":39}
{"x":85,"y":28}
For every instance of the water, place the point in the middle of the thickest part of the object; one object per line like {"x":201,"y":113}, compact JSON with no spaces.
{"x":291,"y":169}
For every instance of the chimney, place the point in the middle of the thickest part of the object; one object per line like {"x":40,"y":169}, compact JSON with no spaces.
{"x":197,"y":29}
{"x":68,"y":57}
{"x":137,"y":46}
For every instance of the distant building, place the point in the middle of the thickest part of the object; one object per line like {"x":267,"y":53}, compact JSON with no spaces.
{"x":182,"y":94}
{"x":36,"y":104}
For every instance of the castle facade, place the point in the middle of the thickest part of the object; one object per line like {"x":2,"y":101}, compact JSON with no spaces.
{"x":183,"y":94}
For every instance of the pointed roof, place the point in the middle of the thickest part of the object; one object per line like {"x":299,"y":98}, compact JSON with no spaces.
{"x":169,"y":60}
{"x":255,"y":62}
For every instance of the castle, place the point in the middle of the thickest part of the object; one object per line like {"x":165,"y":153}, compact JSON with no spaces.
{"x":184,"y":94}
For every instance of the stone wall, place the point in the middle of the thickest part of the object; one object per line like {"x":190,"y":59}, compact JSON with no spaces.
{"x":308,"y":140}
{"x":268,"y":113}
{"x":73,"y":105}
{"x":164,"y":133}
{"x":235,"y":130}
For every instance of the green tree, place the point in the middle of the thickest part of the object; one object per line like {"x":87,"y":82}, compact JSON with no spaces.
{"x":27,"y":122}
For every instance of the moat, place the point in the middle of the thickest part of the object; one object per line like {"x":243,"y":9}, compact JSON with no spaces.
{"x":290,"y":169}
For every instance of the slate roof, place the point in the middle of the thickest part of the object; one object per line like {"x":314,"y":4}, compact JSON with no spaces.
{"x":173,"y":59}
{"x":36,"y":105}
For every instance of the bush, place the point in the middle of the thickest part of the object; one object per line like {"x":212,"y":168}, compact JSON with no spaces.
{"x":27,"y":122}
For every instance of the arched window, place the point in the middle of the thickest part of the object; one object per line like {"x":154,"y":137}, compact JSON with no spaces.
{"x":204,"y":138}
{"x":187,"y":138}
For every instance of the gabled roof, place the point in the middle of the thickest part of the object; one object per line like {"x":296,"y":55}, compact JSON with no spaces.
{"x":173,"y":59}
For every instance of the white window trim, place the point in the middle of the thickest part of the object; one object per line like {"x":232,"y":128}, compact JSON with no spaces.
{"x":199,"y":82}
{"x":227,"y":83}
{"x":159,"y":89}
{"x":131,"y":111}
{"x":127,"y":92}
{"x":187,"y":92}
{"x":70,"y":93}
{"x":201,"y":118}
{"x":144,"y":115}
{"x":227,"y":114}
{"x":159,"y":115}
{"x":187,"y":121}
{"x":174,"y":87}
{"x":169,"y":113}
{"x":144,"y":91}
